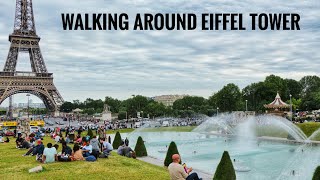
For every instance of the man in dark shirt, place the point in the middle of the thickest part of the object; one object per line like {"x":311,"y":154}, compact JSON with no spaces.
{"x":66,"y":150}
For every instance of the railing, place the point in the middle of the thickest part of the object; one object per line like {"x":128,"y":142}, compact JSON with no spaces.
{"x":25,"y":74}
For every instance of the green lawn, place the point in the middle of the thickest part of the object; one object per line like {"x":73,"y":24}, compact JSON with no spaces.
{"x":174,"y":128}
{"x":159,"y":129}
{"x":14,"y":166}
{"x":310,"y":127}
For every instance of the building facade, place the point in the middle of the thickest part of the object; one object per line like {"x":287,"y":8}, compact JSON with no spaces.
{"x":168,"y":100}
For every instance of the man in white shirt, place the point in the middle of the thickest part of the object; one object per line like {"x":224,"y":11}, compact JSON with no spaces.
{"x":177,"y":172}
{"x":49,"y":154}
{"x":57,"y":139}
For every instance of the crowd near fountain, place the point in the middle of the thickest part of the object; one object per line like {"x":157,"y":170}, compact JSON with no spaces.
{"x":261,"y":147}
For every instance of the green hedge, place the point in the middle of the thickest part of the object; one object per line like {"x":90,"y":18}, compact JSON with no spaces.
{"x":316,"y":175}
{"x":171,"y":151}
{"x":117,"y":140}
{"x":225,"y":170}
{"x":140,"y":148}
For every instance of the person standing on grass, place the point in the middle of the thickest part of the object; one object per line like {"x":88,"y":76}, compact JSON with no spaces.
{"x":177,"y":171}
{"x":49,"y":154}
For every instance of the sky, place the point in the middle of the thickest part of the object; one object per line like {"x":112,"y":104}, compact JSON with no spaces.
{"x":96,"y":64}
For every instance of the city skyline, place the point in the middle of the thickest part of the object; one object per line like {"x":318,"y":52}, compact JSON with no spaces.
{"x":121,"y":63}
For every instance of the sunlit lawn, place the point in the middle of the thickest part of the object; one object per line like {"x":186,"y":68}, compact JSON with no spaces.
{"x":14,"y":166}
{"x":310,"y":127}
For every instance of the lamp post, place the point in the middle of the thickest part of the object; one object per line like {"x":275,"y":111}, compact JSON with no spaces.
{"x":291,"y":107}
{"x":246,"y":105}
{"x":28,"y":95}
{"x":217,"y":111}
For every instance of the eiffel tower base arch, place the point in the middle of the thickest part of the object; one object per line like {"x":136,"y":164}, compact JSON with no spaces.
{"x":41,"y":86}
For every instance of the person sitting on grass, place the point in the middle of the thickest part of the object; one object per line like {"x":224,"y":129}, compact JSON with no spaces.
{"x":19,"y":140}
{"x":24,"y":144}
{"x":177,"y":172}
{"x":7,"y":140}
{"x":79,"y":139}
{"x":57,"y":138}
{"x":66,"y":150}
{"x":77,"y":153}
{"x":95,"y":146}
{"x":106,"y":146}
{"x":65,"y":154}
{"x":87,"y":149}
{"x":49,"y":154}
{"x":68,"y":139}
{"x":36,"y":150}
{"x":124,"y":150}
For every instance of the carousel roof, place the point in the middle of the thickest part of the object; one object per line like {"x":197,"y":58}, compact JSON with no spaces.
{"x":77,"y":110}
{"x":277,"y":103}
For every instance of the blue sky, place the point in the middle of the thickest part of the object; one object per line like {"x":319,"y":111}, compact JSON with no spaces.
{"x":121,"y":63}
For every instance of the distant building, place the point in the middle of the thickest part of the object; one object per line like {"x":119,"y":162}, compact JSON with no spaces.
{"x":168,"y":100}
{"x":31,"y":105}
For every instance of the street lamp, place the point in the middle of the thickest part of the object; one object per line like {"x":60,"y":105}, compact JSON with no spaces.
{"x":217,"y":111}
{"x":28,"y":95}
{"x":246,"y":105}
{"x":291,"y":107}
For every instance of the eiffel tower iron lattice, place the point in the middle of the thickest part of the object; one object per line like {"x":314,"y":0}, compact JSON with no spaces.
{"x":38,"y":82}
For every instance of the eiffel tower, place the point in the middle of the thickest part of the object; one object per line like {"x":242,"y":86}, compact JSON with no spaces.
{"x":38,"y":82}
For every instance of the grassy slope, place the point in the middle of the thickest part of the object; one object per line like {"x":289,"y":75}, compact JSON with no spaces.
{"x":14,"y":166}
{"x":309,"y":127}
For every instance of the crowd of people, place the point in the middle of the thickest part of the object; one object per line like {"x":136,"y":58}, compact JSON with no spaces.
{"x":85,"y":147}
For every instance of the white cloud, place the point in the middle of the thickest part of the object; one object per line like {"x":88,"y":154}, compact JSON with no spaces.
{"x":119,"y":64}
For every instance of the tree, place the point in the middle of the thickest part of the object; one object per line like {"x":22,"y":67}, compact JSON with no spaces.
{"x":117,"y":140}
{"x":66,"y":107}
{"x":294,"y":88}
{"x":171,"y":151}
{"x":122,"y":115}
{"x":155,"y":109}
{"x":113,"y":103}
{"x":225,"y":170}
{"x":90,"y":133}
{"x":310,"y":94}
{"x":135,"y":104}
{"x":228,"y":98}
{"x":316,"y":174}
{"x":140,"y":148}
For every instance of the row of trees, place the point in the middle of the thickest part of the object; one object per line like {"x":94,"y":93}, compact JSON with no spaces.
{"x":305,"y":96}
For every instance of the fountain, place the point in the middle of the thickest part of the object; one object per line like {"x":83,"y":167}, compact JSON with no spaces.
{"x":264,"y":147}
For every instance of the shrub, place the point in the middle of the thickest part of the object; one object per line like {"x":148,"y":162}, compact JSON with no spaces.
{"x":316,"y":174}
{"x":140,"y":148}
{"x":225,"y":170}
{"x":90,"y":133}
{"x":117,"y":140}
{"x":171,"y":151}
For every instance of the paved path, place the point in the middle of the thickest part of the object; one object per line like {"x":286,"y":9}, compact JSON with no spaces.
{"x":155,"y":161}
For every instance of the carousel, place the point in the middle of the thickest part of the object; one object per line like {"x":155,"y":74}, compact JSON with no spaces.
{"x":277,"y":107}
